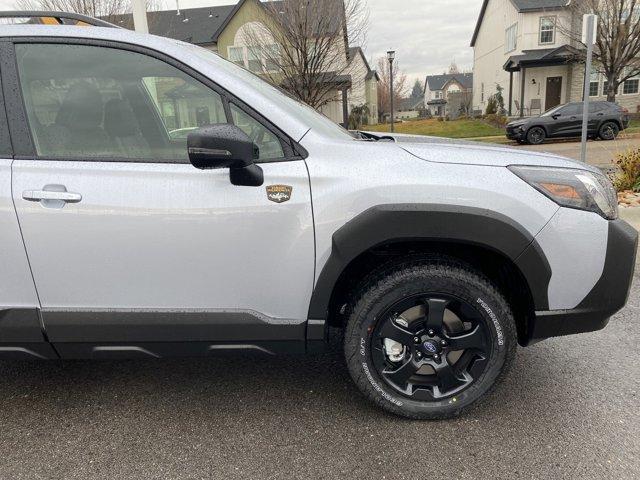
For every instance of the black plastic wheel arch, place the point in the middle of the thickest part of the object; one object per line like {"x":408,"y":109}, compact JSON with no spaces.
{"x":386,"y":224}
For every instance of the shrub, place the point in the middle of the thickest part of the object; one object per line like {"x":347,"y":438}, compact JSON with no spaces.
{"x":492,"y":106}
{"x":628,"y":177}
{"x":496,"y":120}
{"x":440,"y":119}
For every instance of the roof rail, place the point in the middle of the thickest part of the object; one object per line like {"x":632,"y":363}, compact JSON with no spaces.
{"x":59,"y":17}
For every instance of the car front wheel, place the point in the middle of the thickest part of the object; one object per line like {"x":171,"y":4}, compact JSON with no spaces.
{"x":429,"y":338}
{"x":536,"y":135}
{"x":608,"y":131}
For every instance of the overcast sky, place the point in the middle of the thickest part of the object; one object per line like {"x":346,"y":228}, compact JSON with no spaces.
{"x":427,"y":34}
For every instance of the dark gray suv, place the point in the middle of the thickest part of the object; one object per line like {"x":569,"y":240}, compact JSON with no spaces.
{"x":606,"y":120}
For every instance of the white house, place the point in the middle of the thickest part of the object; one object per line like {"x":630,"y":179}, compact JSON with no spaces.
{"x":438,"y":87}
{"x":522,"y":46}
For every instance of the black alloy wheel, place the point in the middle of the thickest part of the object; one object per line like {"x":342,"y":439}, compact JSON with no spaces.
{"x":536,"y":135}
{"x":608,"y":131}
{"x":445,"y":346}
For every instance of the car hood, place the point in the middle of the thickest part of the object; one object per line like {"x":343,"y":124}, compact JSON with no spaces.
{"x":445,"y":150}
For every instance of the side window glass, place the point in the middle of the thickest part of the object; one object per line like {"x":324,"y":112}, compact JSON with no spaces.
{"x":268,"y":143}
{"x":5,"y":143}
{"x":571,"y":109}
{"x":184,"y":105}
{"x":80,"y":106}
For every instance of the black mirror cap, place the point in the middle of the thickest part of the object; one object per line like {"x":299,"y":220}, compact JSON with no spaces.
{"x":220,"y":146}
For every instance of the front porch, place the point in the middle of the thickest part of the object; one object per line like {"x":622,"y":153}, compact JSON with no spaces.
{"x":540,"y":80}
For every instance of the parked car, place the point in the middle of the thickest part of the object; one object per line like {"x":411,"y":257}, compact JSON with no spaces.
{"x":261,"y":231}
{"x":606,"y":120}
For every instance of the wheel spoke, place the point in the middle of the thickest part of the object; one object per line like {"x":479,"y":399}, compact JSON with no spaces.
{"x":395,"y":332}
{"x":435,"y":313}
{"x":401,"y":375}
{"x":447,"y":378}
{"x":474,"y":339}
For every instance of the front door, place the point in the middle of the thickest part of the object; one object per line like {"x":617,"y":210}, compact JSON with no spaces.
{"x":554,"y":91}
{"x":130,"y":243}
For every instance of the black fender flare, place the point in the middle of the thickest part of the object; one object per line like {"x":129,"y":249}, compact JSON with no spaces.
{"x":385,"y":224}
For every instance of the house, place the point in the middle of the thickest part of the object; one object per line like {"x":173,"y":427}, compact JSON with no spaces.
{"x":522,"y":45}
{"x":408,"y":109}
{"x":438,"y":88}
{"x":222,"y":29}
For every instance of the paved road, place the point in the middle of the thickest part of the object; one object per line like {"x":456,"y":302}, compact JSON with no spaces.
{"x":570,"y":409}
{"x":599,"y":153}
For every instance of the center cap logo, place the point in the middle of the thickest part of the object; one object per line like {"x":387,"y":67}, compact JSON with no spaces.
{"x":430,"y":346}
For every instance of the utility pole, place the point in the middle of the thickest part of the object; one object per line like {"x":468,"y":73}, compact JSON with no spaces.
{"x":589,"y":30}
{"x":140,"y":16}
{"x":391,"y":54}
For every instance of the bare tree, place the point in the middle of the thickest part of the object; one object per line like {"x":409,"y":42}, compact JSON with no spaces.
{"x":384,"y":86}
{"x":617,"y":48}
{"x":105,"y":9}
{"x":303,"y":46}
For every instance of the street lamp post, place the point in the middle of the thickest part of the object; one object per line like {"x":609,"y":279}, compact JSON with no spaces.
{"x":391,"y":54}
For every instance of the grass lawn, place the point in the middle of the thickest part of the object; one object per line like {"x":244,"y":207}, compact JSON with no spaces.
{"x":466,"y":128}
{"x":634,"y":126}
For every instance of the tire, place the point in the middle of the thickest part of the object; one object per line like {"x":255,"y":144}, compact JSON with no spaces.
{"x":430,"y":281}
{"x":608,"y":131}
{"x":536,"y":135}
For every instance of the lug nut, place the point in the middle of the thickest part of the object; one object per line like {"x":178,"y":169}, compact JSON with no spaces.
{"x":431,"y":333}
{"x":436,"y":357}
{"x":416,"y":339}
{"x":418,"y":354}
{"x":443,"y":343}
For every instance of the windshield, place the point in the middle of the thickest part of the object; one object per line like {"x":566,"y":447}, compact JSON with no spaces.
{"x":307,"y":115}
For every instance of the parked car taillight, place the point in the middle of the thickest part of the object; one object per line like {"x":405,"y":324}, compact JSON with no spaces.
{"x":624,"y":110}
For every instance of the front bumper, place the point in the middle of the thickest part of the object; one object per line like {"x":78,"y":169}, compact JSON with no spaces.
{"x":515,"y":133}
{"x":608,"y":295}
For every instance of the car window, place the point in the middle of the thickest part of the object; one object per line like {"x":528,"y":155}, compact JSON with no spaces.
{"x":571,"y":109}
{"x":268,"y":144}
{"x":5,"y":143}
{"x":96,"y":102}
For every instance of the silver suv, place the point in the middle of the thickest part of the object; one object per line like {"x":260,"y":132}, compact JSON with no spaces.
{"x":157,"y":200}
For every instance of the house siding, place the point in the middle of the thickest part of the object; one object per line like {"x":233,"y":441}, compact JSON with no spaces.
{"x":490,"y":57}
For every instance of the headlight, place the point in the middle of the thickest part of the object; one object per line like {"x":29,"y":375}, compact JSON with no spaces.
{"x":573,"y":188}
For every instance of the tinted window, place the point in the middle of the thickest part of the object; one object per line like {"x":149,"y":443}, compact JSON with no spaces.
{"x":571,"y":109}
{"x":5,"y":143}
{"x":96,"y":102}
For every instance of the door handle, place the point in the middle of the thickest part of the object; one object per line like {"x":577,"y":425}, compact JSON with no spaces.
{"x":52,"y":196}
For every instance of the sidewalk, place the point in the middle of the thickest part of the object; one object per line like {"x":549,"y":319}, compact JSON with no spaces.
{"x":631,"y":215}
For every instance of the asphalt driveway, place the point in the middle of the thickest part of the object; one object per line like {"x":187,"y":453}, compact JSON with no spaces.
{"x":570,"y":409}
{"x":599,"y":153}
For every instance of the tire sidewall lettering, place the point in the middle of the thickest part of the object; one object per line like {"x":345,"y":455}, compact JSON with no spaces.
{"x":494,"y":319}
{"x":367,"y":372}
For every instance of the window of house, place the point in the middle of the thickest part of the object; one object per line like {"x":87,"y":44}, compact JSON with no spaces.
{"x":547,"y":30}
{"x":630,"y":86}
{"x":271,"y":57}
{"x":594,"y":83}
{"x":482,"y":92}
{"x":254,"y":59}
{"x":439,"y":94}
{"x":511,"y":38}
{"x":236,"y":55}
{"x":77,"y":108}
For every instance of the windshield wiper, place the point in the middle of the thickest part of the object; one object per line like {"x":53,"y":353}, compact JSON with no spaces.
{"x":373,"y":138}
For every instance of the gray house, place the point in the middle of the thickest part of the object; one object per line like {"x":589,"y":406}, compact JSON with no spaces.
{"x":438,"y":90}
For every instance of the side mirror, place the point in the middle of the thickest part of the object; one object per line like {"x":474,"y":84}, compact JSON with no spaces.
{"x":226,"y":146}
{"x":555,"y":116}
